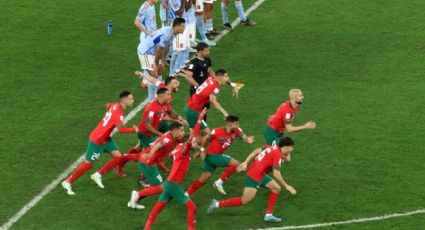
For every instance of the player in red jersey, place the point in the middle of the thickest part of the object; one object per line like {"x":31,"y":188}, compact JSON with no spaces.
{"x":205,"y":93}
{"x":221,"y":139}
{"x":100,"y":139}
{"x":150,"y":157}
{"x":283,"y":117}
{"x":266,"y":160}
{"x":172,"y":186}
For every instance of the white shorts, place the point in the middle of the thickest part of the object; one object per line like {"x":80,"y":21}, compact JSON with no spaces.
{"x":147,"y":61}
{"x":209,"y":1}
{"x":199,"y":6}
{"x":181,"y":41}
{"x":192,"y":32}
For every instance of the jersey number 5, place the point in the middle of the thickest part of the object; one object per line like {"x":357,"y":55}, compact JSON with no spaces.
{"x":263,"y":153}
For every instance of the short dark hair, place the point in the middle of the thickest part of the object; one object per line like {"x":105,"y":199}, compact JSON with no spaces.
{"x":285,"y":141}
{"x":220,"y":72}
{"x":178,"y":21}
{"x":175,"y":125}
{"x":161,"y":91}
{"x":124,"y":93}
{"x":169,"y":79}
{"x":201,"y":46}
{"x":232,"y":118}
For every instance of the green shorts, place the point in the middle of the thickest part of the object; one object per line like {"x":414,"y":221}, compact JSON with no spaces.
{"x":271,"y":135}
{"x":151,"y":173}
{"x":212,"y":161}
{"x":249,"y":182}
{"x":173,"y":190}
{"x":145,"y":141}
{"x":94,"y":150}
{"x":192,"y":117}
{"x":164,"y":126}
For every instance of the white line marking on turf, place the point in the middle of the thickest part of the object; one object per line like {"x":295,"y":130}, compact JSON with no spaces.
{"x":360,"y":220}
{"x":71,"y":168}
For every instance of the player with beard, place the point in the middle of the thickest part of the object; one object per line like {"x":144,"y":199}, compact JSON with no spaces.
{"x":283,"y":117}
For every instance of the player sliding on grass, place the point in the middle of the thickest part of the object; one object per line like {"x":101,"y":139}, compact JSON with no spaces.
{"x":172,"y":186}
{"x":283,"y":117}
{"x":205,"y":93}
{"x":100,"y":139}
{"x":266,"y":160}
{"x":150,"y":158}
{"x":221,"y":139}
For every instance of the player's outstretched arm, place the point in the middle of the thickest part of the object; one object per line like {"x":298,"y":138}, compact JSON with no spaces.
{"x":309,"y":125}
{"x":252,"y":155}
{"x":154,"y":150}
{"x":279,"y":178}
{"x":249,"y":139}
{"x":217,"y":105}
{"x":123,"y":129}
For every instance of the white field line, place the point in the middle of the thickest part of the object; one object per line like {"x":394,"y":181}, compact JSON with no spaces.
{"x":71,"y":168}
{"x":360,"y":220}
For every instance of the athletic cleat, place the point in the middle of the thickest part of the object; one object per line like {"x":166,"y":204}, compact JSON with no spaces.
{"x":248,"y":22}
{"x":133,"y":201}
{"x":97,"y":178}
{"x":227,"y":26}
{"x":219,"y":187}
{"x":67,"y":186}
{"x":213,"y":205}
{"x":271,"y":218}
{"x":118,"y":170}
{"x":214,"y":32}
{"x":208,"y":42}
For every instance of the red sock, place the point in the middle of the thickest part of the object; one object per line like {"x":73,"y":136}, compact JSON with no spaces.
{"x":131,"y":157}
{"x":230,"y":202}
{"x":230,"y":170}
{"x":191,"y":213}
{"x":79,"y":171}
{"x":154,"y":213}
{"x":272,"y":201}
{"x":150,"y":191}
{"x":110,"y":165}
{"x":132,"y":150}
{"x":194,"y":187}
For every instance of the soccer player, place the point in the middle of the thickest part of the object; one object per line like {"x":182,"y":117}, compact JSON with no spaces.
{"x":283,"y":117}
{"x":208,"y":19}
{"x":199,"y":17}
{"x":205,"y":93}
{"x":242,"y":17}
{"x":150,"y":158}
{"x":100,"y":139}
{"x":146,"y":18}
{"x":172,"y":186}
{"x":153,"y":49}
{"x":266,"y":160}
{"x":221,"y":139}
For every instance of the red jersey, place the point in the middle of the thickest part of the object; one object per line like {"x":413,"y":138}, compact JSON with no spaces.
{"x":269,"y":158}
{"x":113,"y":117}
{"x":168,"y":144}
{"x":285,"y":114}
{"x":202,"y":95}
{"x":153,"y":114}
{"x":221,"y":140}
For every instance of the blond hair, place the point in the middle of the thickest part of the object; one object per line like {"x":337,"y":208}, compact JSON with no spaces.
{"x":293,"y":92}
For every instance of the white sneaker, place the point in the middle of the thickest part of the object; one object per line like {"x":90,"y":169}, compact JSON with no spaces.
{"x":219,"y":187}
{"x":97,"y":178}
{"x":208,"y":42}
{"x":67,"y":186}
{"x":133,"y":201}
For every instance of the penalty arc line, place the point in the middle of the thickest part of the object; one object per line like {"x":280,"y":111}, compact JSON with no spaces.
{"x":46,"y":190}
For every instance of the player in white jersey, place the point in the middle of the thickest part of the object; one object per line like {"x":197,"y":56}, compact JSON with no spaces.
{"x":199,"y":17}
{"x":242,"y":17}
{"x":153,"y":49}
{"x":208,"y":19}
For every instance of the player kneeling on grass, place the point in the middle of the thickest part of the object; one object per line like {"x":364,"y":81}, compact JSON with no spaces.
{"x":270,"y":158}
{"x":149,"y":159}
{"x":172,"y":186}
{"x":100,"y":140}
{"x":221,"y":139}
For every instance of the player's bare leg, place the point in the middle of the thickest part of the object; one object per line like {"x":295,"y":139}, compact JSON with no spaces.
{"x":116,"y":160}
{"x":247,"y":195}
{"x":230,"y":170}
{"x":274,"y":194}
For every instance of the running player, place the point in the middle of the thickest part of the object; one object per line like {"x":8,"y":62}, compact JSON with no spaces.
{"x":266,"y":160}
{"x":172,"y":186}
{"x":221,"y":139}
{"x":150,"y":157}
{"x":100,"y":139}
{"x":283,"y":117}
